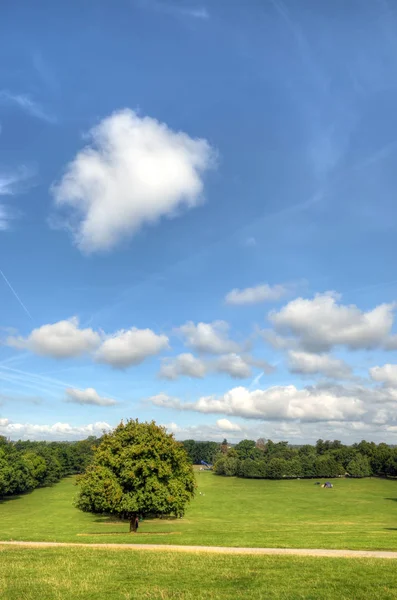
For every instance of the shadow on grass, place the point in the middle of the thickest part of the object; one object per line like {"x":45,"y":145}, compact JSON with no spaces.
{"x":110,"y":520}
{"x":126,"y":533}
{"x":8,"y":498}
{"x":392,"y":499}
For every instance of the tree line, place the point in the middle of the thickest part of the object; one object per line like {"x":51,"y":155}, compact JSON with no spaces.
{"x":26,"y":465}
{"x":269,"y":460}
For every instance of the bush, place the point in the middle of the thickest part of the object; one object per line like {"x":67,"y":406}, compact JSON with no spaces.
{"x":252,"y":469}
{"x":227,"y":466}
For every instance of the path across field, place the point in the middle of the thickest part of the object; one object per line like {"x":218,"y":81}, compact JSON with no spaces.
{"x":216,"y":549}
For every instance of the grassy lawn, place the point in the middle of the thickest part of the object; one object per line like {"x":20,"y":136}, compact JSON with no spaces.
{"x":88,"y":574}
{"x":355,"y":514}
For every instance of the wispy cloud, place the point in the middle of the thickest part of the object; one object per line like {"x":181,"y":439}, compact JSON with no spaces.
{"x":15,"y":294}
{"x":194,"y":12}
{"x":16,"y":181}
{"x":4,"y":218}
{"x":12,"y":183}
{"x":25,"y":103}
{"x":42,"y":383}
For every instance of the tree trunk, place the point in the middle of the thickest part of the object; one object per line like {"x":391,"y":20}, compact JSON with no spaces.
{"x":133,"y":525}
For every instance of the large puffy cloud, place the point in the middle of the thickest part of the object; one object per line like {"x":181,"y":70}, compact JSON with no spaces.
{"x":386,"y":374}
{"x":210,"y":338}
{"x":58,"y":340}
{"x":254,"y":295}
{"x":305,"y":363}
{"x":234,"y":365}
{"x":132,"y":347}
{"x":65,"y":339}
{"x":321,"y":323}
{"x":274,"y":403}
{"x":226,"y":425}
{"x":88,"y":396}
{"x":135,"y":171}
{"x":58,"y":431}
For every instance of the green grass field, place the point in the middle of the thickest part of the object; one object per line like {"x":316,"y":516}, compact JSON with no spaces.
{"x":355,"y":514}
{"x":92,"y":574}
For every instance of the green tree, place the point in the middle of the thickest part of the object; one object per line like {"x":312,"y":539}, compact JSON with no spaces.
{"x":253,"y":469}
{"x":247,"y":449}
{"x":138,"y":469}
{"x":276,"y":468}
{"x":359,"y":467}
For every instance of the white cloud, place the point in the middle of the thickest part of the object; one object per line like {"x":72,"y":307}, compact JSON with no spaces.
{"x":210,"y":338}
{"x":234,"y":365}
{"x":306,"y":363}
{"x":322,"y":323}
{"x":215,"y":432}
{"x":131,"y":347}
{"x":254,"y":295}
{"x":274,"y":403}
{"x":58,"y":431}
{"x":24,"y":102}
{"x":87,"y":396}
{"x":386,"y":374}
{"x":278,"y":342}
{"x":63,"y":339}
{"x":230,"y":364}
{"x":4,"y":217}
{"x":165,"y":401}
{"x":183,"y":365}
{"x":11,"y":183}
{"x":135,"y":171}
{"x":195,"y":12}
{"x":226,"y":425}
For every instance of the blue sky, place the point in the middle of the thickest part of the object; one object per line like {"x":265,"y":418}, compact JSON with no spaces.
{"x":154,"y":157}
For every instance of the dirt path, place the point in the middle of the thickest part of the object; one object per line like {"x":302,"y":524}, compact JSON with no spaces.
{"x":215,"y":549}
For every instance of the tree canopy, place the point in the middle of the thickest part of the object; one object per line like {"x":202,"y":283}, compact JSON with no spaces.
{"x":138,"y":470}
{"x":26,"y":465}
{"x":270,"y":460}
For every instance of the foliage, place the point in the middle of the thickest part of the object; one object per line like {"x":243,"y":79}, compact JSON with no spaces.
{"x":138,"y":469}
{"x":270,"y":460}
{"x":26,"y":465}
{"x":359,"y":466}
{"x":198,"y":451}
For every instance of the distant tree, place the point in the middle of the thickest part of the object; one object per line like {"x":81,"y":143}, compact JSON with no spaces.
{"x":252,"y":469}
{"x":276,"y":468}
{"x":247,"y":449}
{"x":307,"y":450}
{"x":227,"y":466}
{"x":391,"y":464}
{"x":380,"y":458}
{"x":326,"y":466}
{"x":198,"y":451}
{"x":294,"y":468}
{"x":359,"y":467}
{"x":308,"y":465}
{"x":36,"y":466}
{"x":261,"y":444}
{"x":138,"y":469}
{"x":224,"y":446}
